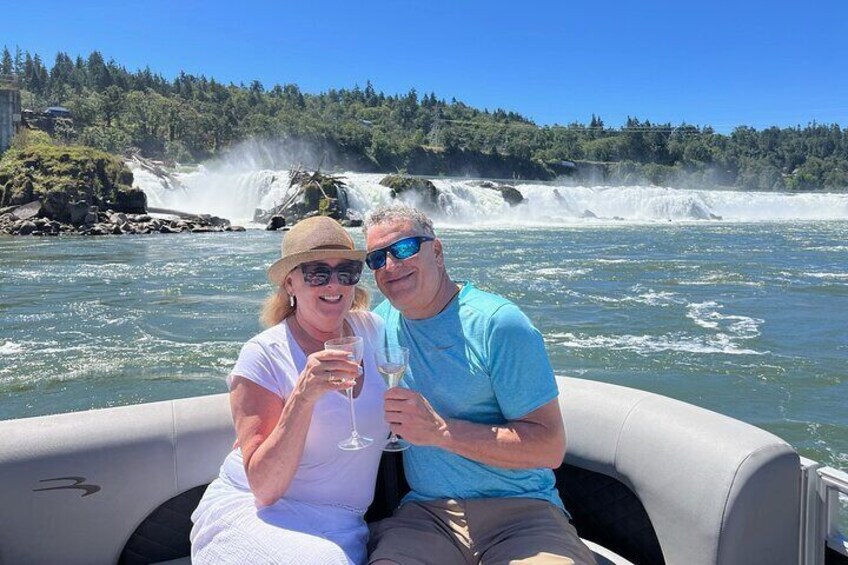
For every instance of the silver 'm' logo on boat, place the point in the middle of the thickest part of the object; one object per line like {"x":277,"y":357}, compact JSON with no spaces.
{"x":78,"y":483}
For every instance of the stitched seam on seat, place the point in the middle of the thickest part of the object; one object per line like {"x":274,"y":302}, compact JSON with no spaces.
{"x":618,"y":474}
{"x":626,"y":480}
{"x":727,"y":498}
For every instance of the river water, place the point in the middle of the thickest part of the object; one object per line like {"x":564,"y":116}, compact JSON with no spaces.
{"x":746,"y":315}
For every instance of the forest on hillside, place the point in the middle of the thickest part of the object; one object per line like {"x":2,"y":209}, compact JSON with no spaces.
{"x":192,"y":118}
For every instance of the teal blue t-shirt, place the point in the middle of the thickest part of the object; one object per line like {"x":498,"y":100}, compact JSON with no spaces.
{"x":479,"y":360}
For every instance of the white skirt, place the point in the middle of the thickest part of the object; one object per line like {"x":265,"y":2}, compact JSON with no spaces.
{"x":229,"y":528}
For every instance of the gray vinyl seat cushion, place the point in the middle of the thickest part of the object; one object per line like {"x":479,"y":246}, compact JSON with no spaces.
{"x":715,"y":491}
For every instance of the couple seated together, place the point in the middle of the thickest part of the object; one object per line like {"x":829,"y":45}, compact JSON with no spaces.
{"x":477,"y":405}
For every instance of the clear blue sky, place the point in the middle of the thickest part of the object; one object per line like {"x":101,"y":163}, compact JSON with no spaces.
{"x":721,"y":63}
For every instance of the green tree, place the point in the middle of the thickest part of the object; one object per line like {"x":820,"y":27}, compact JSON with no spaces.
{"x":6,"y":64}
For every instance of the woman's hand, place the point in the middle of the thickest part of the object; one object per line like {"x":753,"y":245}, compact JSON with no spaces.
{"x":326,"y":371}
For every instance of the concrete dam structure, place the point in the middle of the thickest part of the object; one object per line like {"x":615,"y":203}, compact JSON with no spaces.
{"x":10,"y":110}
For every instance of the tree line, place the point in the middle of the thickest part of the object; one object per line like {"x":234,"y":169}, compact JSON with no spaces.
{"x":191,"y":118}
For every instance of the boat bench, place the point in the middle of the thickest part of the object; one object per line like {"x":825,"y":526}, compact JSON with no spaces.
{"x":647,"y":480}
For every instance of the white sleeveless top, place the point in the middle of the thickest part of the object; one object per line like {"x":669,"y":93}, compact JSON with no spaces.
{"x":326,"y":475}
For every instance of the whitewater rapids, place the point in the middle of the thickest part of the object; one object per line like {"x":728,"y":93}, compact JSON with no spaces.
{"x":235,"y":194}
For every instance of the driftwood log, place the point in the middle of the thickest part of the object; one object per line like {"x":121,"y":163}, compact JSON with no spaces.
{"x":169,"y":181}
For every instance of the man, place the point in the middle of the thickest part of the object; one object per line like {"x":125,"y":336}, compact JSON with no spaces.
{"x":479,"y":406}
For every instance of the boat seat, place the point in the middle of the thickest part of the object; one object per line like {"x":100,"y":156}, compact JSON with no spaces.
{"x":647,"y":479}
{"x":165,"y":531}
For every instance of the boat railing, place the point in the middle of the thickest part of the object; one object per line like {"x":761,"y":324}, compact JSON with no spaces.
{"x":824,"y":496}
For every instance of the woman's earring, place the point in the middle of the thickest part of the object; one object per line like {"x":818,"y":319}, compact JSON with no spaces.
{"x":291,"y":301}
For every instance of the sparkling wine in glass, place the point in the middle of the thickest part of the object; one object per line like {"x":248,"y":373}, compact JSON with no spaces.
{"x":391,"y":363}
{"x":355,"y":346}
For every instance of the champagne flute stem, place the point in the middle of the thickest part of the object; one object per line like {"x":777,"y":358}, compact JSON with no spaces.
{"x":353,"y":431}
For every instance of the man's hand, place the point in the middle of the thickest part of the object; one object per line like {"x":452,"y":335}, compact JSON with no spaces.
{"x":535,"y":440}
{"x":410,"y":416}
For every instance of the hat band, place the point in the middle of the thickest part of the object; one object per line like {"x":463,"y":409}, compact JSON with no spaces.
{"x":331,"y":246}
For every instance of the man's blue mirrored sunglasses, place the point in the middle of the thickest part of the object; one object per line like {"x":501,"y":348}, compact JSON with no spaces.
{"x":400,"y":250}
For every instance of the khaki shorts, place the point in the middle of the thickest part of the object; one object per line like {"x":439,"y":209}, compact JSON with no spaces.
{"x":491,"y":531}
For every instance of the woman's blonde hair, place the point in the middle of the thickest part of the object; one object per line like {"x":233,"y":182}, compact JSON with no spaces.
{"x":277,"y":307}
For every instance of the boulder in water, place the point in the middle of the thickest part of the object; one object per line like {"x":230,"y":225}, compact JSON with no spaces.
{"x":78,"y":211}
{"x":26,"y":228}
{"x":27,"y":211}
{"x":91,"y":216}
{"x":510,"y":194}
{"x":422,"y":190}
{"x":275,"y":223}
{"x":213,"y":221}
{"x":132,"y":201}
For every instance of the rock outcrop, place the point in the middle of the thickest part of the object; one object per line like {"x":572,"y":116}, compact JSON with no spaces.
{"x":510,"y":194}
{"x":310,"y":194}
{"x":423,"y":192}
{"x":57,"y":176}
{"x":50,"y":190}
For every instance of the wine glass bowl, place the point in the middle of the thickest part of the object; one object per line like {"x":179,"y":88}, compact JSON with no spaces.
{"x":392,"y":361}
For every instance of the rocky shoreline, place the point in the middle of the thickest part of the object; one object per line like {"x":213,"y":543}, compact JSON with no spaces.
{"x":28,"y":219}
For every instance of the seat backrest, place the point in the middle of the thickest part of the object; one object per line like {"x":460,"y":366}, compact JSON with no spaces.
{"x":75,"y":486}
{"x":716,"y":490}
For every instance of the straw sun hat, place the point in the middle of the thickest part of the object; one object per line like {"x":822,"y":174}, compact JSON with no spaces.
{"x":313,"y":239}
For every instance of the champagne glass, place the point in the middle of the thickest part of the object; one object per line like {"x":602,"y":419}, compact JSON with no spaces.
{"x":355,"y":346}
{"x":392,"y":361}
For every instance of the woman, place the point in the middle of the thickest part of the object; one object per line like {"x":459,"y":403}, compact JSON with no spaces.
{"x":289,"y":494}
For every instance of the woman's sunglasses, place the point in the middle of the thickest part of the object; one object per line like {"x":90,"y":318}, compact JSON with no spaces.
{"x":319,"y":274}
{"x":400,"y":250}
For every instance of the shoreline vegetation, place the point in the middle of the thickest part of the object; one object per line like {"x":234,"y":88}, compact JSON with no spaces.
{"x":194,"y":118}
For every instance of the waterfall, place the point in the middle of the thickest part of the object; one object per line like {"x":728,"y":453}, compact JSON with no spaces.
{"x":236,"y":193}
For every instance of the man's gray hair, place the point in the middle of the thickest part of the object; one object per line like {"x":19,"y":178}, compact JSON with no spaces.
{"x":400,"y":213}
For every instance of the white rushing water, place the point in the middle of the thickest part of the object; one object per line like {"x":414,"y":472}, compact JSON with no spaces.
{"x":235,"y":194}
